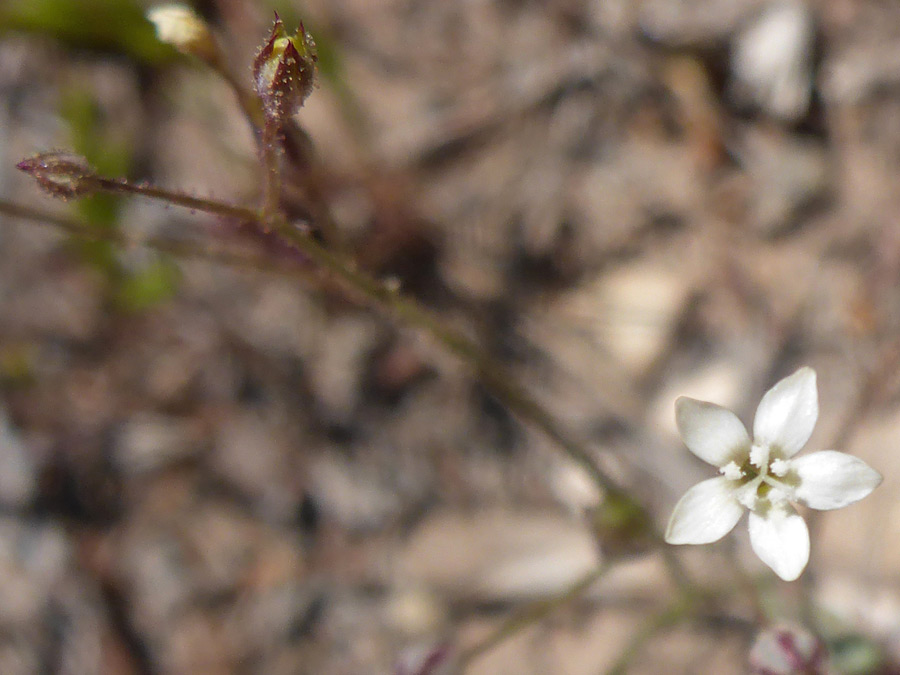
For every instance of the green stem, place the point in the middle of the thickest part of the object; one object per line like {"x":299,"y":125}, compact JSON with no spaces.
{"x":530,"y":615}
{"x":666,"y":618}
{"x":271,"y":164}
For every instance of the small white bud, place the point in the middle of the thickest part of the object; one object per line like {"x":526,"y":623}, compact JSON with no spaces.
{"x":182,"y":28}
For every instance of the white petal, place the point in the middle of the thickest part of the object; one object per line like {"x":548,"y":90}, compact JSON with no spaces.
{"x":706,"y":513}
{"x":831,"y":480}
{"x":787,"y":413}
{"x":781,"y":540}
{"x":710,"y":431}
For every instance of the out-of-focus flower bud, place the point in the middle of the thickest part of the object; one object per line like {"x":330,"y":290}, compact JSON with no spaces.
{"x":437,"y":659}
{"x":788,"y":650}
{"x":62,"y":174}
{"x":284,"y":71}
{"x":180,"y":27}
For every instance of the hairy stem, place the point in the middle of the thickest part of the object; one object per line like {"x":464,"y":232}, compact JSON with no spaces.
{"x":271,"y":165}
{"x":177,"y":198}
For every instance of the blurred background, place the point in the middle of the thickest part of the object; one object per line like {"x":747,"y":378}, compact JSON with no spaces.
{"x":208,"y":469}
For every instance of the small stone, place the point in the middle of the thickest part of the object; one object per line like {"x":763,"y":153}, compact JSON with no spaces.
{"x":499,"y":555}
{"x":636,"y":307}
{"x":415,"y":612}
{"x":154,"y":569}
{"x":18,"y":470}
{"x":271,"y":617}
{"x":849,"y":77}
{"x":788,"y":176}
{"x":337,"y":363}
{"x":251,"y":454}
{"x":33,"y":559}
{"x":277,"y":320}
{"x":772,"y":61}
{"x":349,"y":494}
{"x":696,"y":23}
{"x":148,"y":442}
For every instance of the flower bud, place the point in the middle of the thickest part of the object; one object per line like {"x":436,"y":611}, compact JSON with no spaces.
{"x":436,"y":659}
{"x":788,"y":650}
{"x":180,"y":27}
{"x":62,"y":174}
{"x":284,"y":71}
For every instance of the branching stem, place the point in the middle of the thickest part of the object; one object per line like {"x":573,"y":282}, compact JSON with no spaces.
{"x":386,"y":299}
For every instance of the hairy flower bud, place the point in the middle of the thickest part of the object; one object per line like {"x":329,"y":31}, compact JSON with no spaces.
{"x":284,"y":71}
{"x":180,"y":27}
{"x":62,"y":174}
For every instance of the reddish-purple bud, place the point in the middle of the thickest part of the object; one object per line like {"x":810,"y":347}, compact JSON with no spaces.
{"x":284,"y":71}
{"x":437,"y":659}
{"x":62,"y":174}
{"x":788,"y":650}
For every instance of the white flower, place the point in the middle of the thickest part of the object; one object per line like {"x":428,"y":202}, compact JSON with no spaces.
{"x":762,"y":475}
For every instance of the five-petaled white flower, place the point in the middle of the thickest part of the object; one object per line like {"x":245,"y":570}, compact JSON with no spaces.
{"x":762,"y":475}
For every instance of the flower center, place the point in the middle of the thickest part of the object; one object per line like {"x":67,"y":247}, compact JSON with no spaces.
{"x":758,"y":478}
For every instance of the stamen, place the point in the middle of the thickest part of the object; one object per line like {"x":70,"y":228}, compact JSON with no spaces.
{"x":759,"y":456}
{"x":779,"y":467}
{"x":732,"y":471}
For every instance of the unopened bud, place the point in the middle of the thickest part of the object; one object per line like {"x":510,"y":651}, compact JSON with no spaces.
{"x":788,"y":650}
{"x":62,"y":174}
{"x":437,"y":659}
{"x":284,"y":71}
{"x":180,"y":27}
